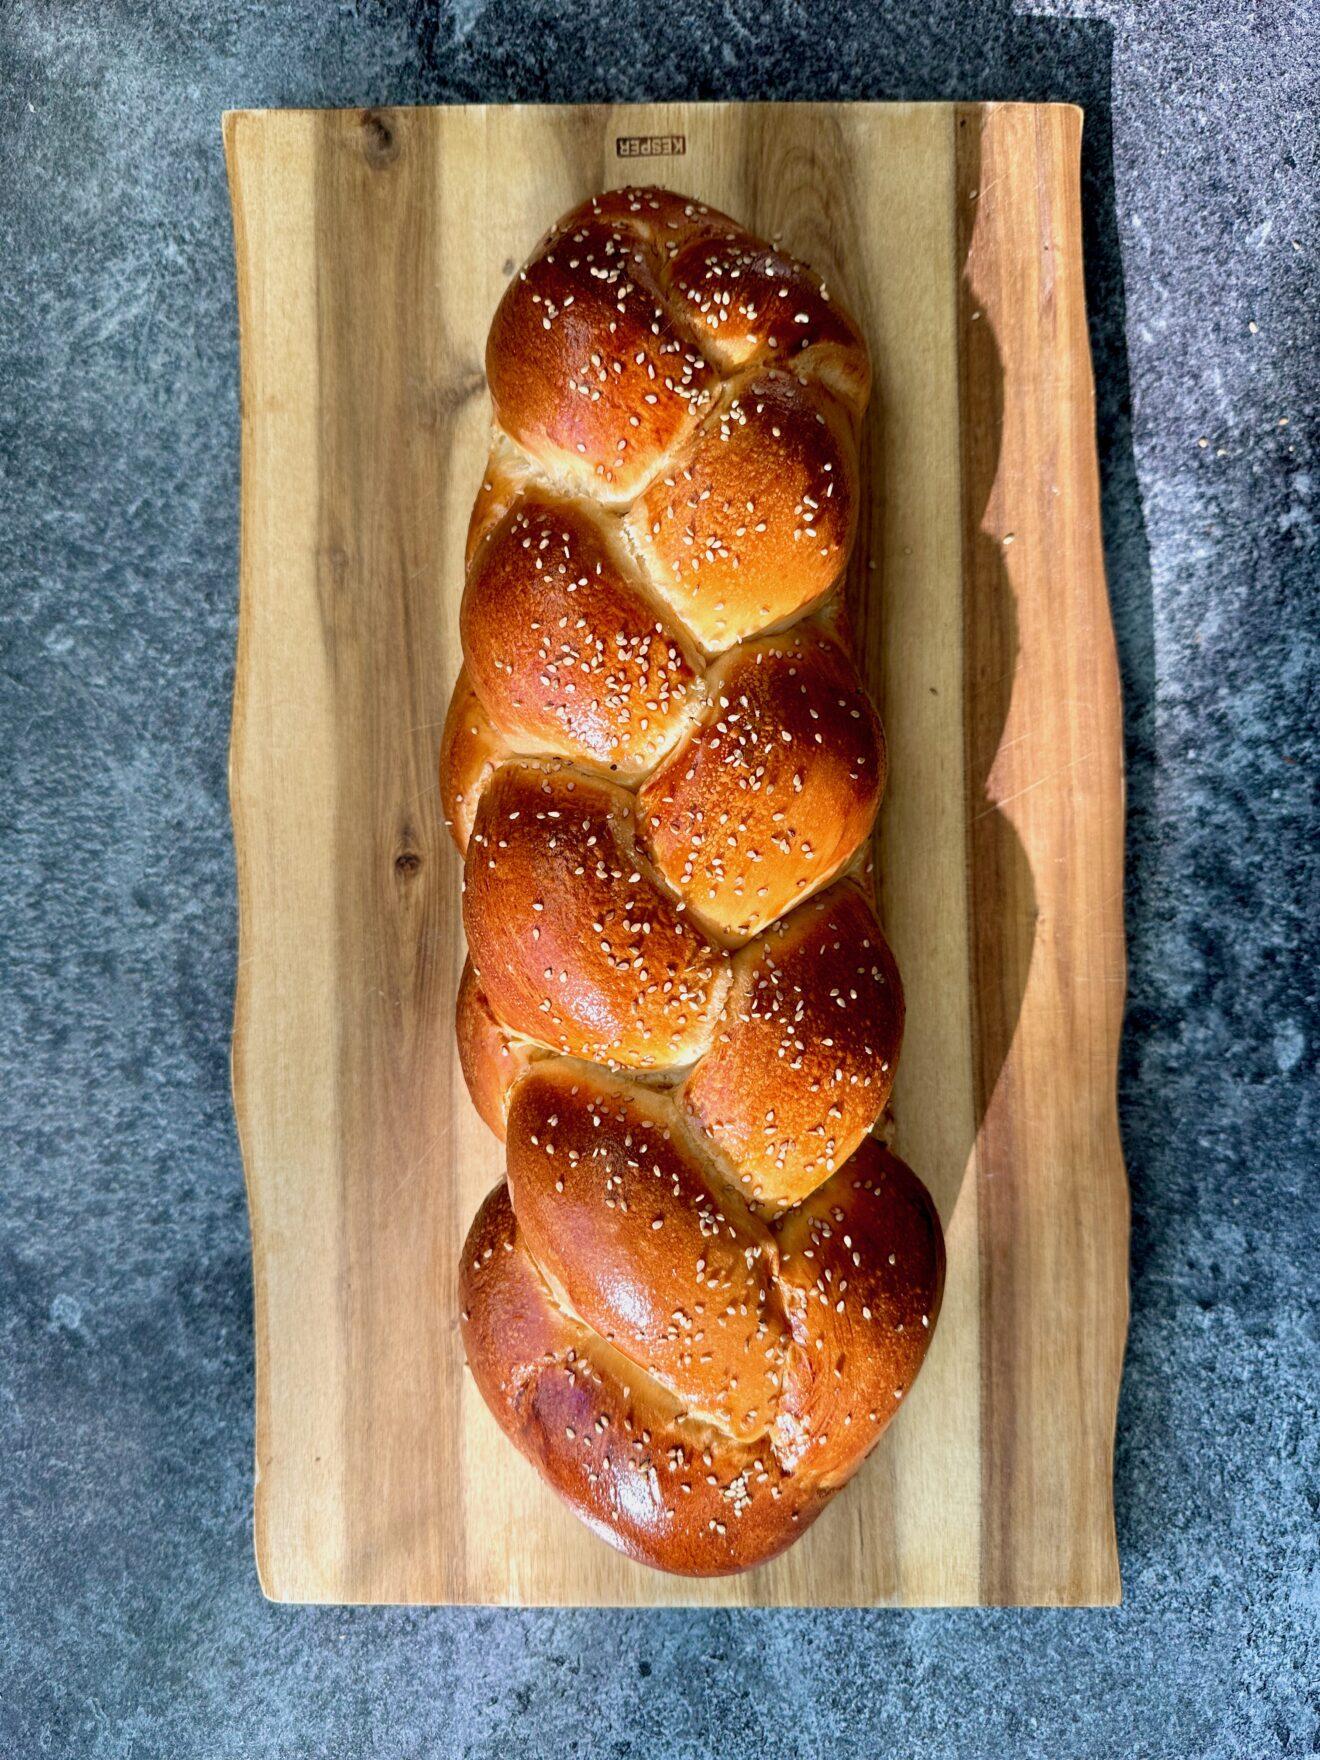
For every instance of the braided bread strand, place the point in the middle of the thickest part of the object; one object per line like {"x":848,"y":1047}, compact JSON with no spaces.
{"x":704,"y":1287}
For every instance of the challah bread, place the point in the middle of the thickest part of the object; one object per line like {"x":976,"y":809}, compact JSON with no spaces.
{"x":632,"y":1458}
{"x":704,"y":1287}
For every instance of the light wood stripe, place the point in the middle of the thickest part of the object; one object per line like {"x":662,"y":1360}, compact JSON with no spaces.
{"x":1045,"y":855}
{"x":281,"y":775}
{"x":911,"y":605}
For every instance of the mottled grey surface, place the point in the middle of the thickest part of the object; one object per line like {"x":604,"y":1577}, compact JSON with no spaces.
{"x":132,"y":1622}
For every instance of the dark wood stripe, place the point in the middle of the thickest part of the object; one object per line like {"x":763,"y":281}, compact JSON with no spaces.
{"x":384,"y":397}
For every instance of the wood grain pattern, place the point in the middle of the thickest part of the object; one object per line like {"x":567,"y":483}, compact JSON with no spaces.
{"x":372,"y":248}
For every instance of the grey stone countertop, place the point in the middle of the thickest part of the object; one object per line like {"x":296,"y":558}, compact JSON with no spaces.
{"x":131,"y":1623}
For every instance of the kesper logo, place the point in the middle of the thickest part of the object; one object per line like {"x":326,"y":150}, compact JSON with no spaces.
{"x":650,"y":146}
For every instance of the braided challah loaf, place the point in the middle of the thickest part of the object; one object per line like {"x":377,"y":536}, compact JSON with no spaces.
{"x":704,"y":1288}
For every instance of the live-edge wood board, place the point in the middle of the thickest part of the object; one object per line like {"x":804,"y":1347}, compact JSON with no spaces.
{"x":372,"y":247}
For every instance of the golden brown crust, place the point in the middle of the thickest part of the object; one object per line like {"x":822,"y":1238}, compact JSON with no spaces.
{"x":652,"y":1250}
{"x":751,"y":524}
{"x":717,"y":1287}
{"x":803,"y":1057}
{"x":563,"y":646}
{"x":576,"y":944}
{"x":775,"y":789}
{"x":750,"y":303}
{"x":674,"y":1491}
{"x":742,"y":300}
{"x":491,"y":1057}
{"x":470,"y":748}
{"x":661,"y":218}
{"x":587,"y":369}
{"x":865,"y":1256}
{"x":508,"y":473}
{"x":664,"y":1489}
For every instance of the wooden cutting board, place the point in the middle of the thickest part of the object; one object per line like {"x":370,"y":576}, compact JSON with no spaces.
{"x":372,"y":248}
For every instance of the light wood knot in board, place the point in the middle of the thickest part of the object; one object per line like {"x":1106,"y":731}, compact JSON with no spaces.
{"x":408,"y":864}
{"x":379,"y":142}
